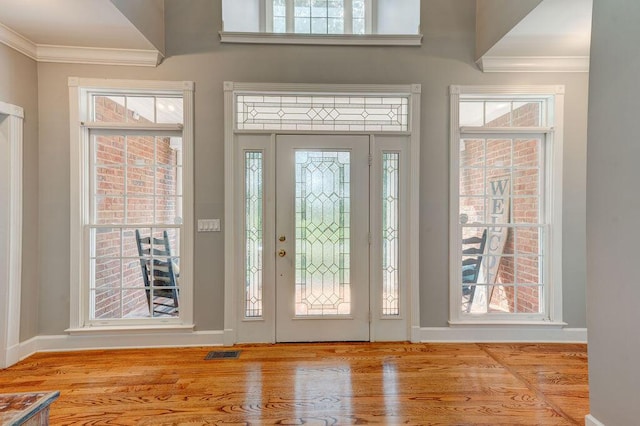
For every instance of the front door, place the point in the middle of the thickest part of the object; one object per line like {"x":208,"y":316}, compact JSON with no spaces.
{"x":322,"y":238}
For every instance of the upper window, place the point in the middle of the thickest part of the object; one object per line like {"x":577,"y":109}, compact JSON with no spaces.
{"x":363,"y":22}
{"x":133,"y":182}
{"x":319,"y":16}
{"x":506,"y":219}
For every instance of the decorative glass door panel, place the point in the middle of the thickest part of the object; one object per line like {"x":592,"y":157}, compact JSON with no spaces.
{"x":323,"y":222}
{"x":322,"y":187}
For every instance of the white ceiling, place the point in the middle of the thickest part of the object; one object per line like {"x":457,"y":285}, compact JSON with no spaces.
{"x":81,"y":23}
{"x":75,"y":31}
{"x":554,"y":28}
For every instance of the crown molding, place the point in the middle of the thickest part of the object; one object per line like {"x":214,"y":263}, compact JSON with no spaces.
{"x":534,"y":63}
{"x":78,"y":55}
{"x":18,"y":42}
{"x":97,"y":56}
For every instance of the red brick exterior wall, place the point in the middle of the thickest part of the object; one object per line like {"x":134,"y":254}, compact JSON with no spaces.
{"x":110,"y":150}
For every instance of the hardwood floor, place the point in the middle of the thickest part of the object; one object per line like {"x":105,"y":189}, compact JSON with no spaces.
{"x":314,"y":384}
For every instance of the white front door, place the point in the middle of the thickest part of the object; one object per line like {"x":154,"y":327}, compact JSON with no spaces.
{"x":322,"y":238}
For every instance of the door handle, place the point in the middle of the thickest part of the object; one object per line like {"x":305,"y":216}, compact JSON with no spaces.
{"x":282,"y":253}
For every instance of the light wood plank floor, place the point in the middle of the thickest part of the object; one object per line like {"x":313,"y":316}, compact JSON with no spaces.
{"x":314,"y":384}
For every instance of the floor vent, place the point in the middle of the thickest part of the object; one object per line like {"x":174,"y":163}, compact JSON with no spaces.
{"x":223,"y":355}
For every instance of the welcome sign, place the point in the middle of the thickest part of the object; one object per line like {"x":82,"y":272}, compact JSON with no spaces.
{"x":498,"y":213}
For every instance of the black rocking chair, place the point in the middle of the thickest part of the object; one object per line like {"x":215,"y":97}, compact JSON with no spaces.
{"x":160,"y":277}
{"x":473,"y":246}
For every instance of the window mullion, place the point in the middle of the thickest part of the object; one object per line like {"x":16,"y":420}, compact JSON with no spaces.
{"x":348,"y":16}
{"x":371,"y":17}
{"x":290,"y":16}
{"x":125,"y":171}
{"x":512,"y":221}
{"x":154,"y":169}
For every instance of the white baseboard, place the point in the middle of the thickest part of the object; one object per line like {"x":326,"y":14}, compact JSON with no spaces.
{"x":471,"y":334}
{"x":10,"y":356}
{"x":498,"y":334}
{"x":589,"y":420}
{"x":229,"y":337}
{"x":62,"y":343}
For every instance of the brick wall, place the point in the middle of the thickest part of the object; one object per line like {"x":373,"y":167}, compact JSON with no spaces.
{"x":140,"y":173}
{"x":525,"y":183}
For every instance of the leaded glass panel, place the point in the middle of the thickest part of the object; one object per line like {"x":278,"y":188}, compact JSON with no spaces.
{"x":323,"y":219}
{"x":322,"y":112}
{"x":254,"y":237}
{"x":390,"y":224}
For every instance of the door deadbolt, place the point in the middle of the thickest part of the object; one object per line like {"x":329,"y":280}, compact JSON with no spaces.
{"x":282,"y":238}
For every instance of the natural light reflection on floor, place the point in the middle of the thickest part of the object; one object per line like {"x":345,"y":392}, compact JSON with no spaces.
{"x":322,"y":390}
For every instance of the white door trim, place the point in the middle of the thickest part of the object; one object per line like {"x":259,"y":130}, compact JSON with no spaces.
{"x":233,"y":224}
{"x":11,"y":133}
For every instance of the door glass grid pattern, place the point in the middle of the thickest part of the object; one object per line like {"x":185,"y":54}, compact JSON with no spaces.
{"x":390,"y":241}
{"x":322,"y":113}
{"x":322,"y":222}
{"x":501,"y":198}
{"x":135,"y":183}
{"x":254,"y":237}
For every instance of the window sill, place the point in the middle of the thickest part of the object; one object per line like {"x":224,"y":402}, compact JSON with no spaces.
{"x":508,"y":324}
{"x":130,"y":329}
{"x":331,"y":39}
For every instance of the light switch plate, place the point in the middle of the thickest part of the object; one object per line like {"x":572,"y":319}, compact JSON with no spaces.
{"x":208,"y":225}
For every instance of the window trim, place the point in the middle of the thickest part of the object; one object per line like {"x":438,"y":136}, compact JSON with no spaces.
{"x":80,"y":91}
{"x":553,"y":130}
{"x":11,"y":262}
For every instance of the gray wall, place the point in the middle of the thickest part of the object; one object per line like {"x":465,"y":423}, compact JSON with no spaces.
{"x":148,"y":18}
{"x":613,"y":204}
{"x":495,"y":18}
{"x":19,"y":86}
{"x":195,"y":53}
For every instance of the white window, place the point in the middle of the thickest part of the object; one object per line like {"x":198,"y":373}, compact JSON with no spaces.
{"x":131,"y":186}
{"x":320,"y":16}
{"x":506,"y":198}
{"x":326,"y":22}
